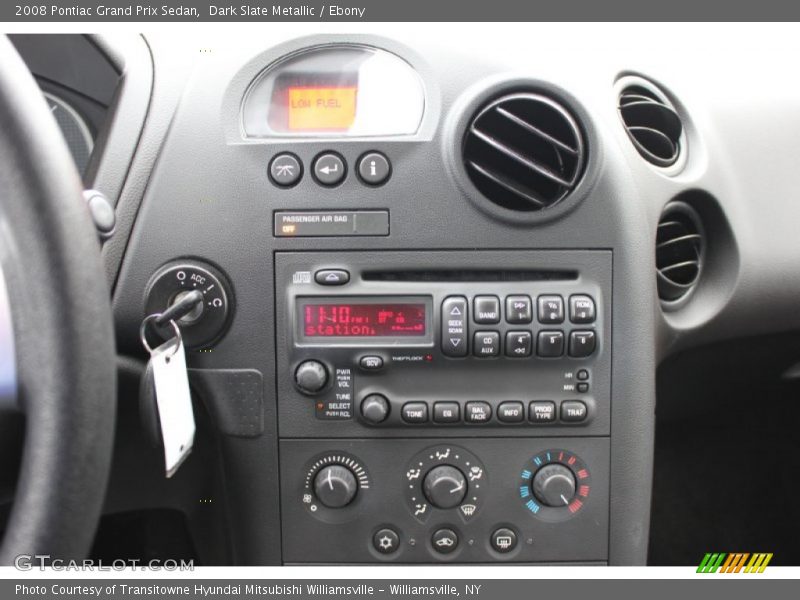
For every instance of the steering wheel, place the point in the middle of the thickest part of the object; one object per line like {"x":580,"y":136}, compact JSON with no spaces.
{"x":55,"y":327}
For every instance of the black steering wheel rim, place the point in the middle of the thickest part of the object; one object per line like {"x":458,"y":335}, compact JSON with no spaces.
{"x":62,"y":324}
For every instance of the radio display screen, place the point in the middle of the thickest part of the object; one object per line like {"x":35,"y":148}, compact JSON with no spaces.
{"x":366,"y":320}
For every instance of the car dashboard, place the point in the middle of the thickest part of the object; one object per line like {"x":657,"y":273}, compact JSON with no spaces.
{"x":439,"y":272}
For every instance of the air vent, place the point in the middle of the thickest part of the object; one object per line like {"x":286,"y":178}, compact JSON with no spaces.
{"x":652,"y":124}
{"x":524,"y":152}
{"x":679,"y":251}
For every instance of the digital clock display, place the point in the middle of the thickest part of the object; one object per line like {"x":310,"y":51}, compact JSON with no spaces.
{"x":363,"y":320}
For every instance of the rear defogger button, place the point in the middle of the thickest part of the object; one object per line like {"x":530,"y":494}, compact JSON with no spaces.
{"x":454,"y":326}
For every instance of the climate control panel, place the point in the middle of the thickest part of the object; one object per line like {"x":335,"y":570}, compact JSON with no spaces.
{"x":472,"y":500}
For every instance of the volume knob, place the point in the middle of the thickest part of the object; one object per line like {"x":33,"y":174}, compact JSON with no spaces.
{"x":335,"y":486}
{"x":311,"y":376}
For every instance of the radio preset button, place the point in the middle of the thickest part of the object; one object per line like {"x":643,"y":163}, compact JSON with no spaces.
{"x":454,"y":326}
{"x":415,"y":412}
{"x":371,"y":363}
{"x":331,"y":277}
{"x":486,"y":344}
{"x":511,"y":412}
{"x":375,"y":408}
{"x":581,"y":309}
{"x":486,"y":309}
{"x":446,"y":412}
{"x":550,"y":344}
{"x":581,"y":343}
{"x":551,"y":309}
{"x":477,"y":412}
{"x":542,"y":411}
{"x":573,"y":411}
{"x":518,"y":344}
{"x":518,"y":310}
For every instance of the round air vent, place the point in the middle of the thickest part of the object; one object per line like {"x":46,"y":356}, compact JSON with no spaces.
{"x":524,"y":152}
{"x":652,"y":124}
{"x":679,"y":251}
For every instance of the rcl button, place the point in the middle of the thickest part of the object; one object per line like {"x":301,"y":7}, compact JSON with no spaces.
{"x":573,"y":411}
{"x":477,"y":412}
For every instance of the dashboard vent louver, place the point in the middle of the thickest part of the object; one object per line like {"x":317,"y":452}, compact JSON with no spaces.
{"x":524,"y":152}
{"x":652,"y":124}
{"x":679,"y":251}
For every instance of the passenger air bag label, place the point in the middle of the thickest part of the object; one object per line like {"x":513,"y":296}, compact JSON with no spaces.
{"x":331,"y":223}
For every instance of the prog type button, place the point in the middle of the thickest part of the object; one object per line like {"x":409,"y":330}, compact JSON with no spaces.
{"x":542,"y":411}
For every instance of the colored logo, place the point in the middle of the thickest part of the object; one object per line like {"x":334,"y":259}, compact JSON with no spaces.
{"x":736,"y":562}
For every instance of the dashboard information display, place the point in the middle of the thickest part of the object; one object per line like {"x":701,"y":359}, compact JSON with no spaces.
{"x":321,"y":108}
{"x":363,"y":320}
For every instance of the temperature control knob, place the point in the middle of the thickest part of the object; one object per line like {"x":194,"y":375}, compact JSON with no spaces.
{"x":335,"y":486}
{"x":311,"y":376}
{"x":445,"y":486}
{"x":554,"y":485}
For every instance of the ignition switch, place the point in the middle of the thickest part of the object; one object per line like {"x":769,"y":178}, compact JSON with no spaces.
{"x":209,"y":319}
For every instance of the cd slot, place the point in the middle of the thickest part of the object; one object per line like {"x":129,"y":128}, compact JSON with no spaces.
{"x":471,"y":275}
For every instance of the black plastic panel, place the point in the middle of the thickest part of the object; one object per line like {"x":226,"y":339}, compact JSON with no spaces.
{"x":417,"y":370}
{"x":345,"y":535}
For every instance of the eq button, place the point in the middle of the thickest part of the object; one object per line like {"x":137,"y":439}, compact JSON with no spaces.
{"x":454,"y":326}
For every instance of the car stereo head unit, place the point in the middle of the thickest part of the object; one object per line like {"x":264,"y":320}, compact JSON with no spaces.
{"x":457,"y":342}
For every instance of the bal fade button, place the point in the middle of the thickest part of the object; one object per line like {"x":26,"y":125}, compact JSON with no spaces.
{"x":329,"y":169}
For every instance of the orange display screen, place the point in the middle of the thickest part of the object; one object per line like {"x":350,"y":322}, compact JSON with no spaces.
{"x":316,"y":108}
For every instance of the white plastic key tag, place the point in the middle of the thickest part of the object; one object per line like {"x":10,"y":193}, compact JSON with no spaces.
{"x":173,"y":398}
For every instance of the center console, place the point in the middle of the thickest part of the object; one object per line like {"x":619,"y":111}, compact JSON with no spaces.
{"x":444,"y":405}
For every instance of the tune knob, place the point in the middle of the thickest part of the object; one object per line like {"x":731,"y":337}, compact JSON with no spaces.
{"x":445,"y":486}
{"x":335,"y":486}
{"x":375,"y":408}
{"x":554,"y":485}
{"x":311,"y":376}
